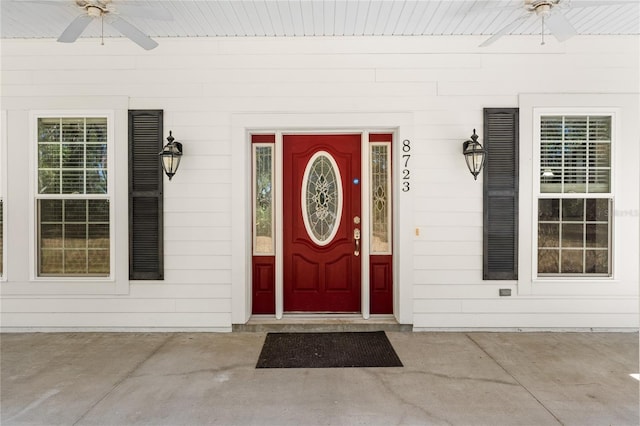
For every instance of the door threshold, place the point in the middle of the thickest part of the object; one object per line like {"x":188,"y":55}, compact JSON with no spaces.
{"x":305,"y":322}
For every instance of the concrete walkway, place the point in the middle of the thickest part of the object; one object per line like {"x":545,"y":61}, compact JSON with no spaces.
{"x":203,"y":378}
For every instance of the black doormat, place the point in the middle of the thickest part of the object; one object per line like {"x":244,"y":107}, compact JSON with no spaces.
{"x":328,"y":350}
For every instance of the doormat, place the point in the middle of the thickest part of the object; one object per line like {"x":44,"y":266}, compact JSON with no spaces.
{"x":328,"y":350}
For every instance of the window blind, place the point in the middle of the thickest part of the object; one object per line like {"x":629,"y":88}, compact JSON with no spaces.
{"x":575,"y":154}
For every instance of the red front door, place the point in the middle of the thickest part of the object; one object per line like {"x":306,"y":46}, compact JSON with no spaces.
{"x":321,"y":213}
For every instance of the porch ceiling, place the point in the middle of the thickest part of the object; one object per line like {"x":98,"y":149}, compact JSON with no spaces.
{"x":233,"y":18}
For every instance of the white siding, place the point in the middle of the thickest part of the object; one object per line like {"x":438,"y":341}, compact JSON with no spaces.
{"x":201,"y":84}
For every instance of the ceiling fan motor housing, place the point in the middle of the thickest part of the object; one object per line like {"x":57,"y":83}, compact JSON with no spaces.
{"x":94,"y":11}
{"x":94,"y":7}
{"x":541,"y":7}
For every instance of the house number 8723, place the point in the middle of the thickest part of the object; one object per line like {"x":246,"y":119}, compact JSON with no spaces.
{"x":406,"y":173}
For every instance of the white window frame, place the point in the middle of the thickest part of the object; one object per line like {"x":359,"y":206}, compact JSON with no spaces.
{"x":538,"y":194}
{"x":626,"y":180}
{"x":34,"y":196}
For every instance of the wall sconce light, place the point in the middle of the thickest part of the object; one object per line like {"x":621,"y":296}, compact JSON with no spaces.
{"x":170,"y":156}
{"x":474,"y":155}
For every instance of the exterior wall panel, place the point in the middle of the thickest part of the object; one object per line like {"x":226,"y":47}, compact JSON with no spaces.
{"x":204,"y":84}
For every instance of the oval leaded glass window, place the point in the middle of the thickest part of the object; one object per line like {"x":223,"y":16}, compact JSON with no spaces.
{"x":321,"y":198}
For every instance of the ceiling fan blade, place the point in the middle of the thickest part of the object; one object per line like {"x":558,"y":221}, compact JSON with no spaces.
{"x":156,"y":12}
{"x":131,"y":32}
{"x":490,"y":7}
{"x":504,"y":30}
{"x":601,"y":3}
{"x":75,"y":28}
{"x":560,"y":26}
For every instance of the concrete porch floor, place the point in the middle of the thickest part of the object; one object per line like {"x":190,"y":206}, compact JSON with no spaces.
{"x":206,"y":378}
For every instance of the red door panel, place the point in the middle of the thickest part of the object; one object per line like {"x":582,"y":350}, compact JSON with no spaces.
{"x":305,"y":274}
{"x":321,"y":274}
{"x":336,"y":270}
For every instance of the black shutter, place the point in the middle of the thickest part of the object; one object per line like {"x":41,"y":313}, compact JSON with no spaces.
{"x":145,"y":195}
{"x":501,"y":194}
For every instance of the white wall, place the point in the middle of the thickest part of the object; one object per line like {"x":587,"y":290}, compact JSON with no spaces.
{"x":202,"y":84}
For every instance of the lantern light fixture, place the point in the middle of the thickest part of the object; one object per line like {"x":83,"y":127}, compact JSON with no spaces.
{"x":474,"y":155}
{"x":170,"y":156}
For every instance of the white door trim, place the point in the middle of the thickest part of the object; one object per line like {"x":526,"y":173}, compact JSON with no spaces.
{"x":365,"y":306}
{"x":401,"y":124}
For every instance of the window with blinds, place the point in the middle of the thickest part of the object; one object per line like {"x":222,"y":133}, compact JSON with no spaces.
{"x":575,"y":154}
{"x":73,"y":197}
{"x":575,"y":199}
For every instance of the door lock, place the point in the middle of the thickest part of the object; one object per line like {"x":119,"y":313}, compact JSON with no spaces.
{"x":356,"y":238}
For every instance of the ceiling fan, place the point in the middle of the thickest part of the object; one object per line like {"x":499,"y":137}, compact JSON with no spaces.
{"x":103,"y":10}
{"x":551,"y":15}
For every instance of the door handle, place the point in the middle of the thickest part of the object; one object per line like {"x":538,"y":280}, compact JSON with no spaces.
{"x":356,"y":238}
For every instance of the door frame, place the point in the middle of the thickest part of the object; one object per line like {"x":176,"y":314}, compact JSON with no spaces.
{"x":243,"y":125}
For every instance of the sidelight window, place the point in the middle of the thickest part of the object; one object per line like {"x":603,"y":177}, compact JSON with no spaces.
{"x":380,"y":202}
{"x":264,"y":242}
